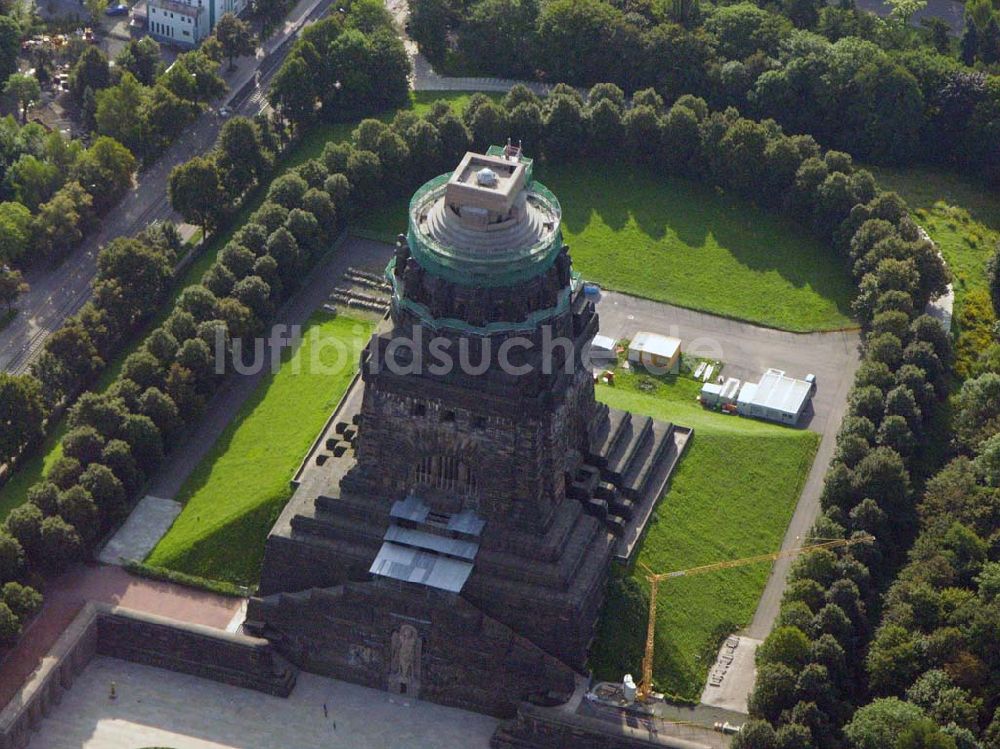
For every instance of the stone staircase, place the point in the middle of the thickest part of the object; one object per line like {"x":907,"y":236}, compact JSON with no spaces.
{"x":360,"y":289}
{"x":624,"y":475}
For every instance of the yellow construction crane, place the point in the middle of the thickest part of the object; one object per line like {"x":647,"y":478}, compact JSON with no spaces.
{"x":646,"y":685}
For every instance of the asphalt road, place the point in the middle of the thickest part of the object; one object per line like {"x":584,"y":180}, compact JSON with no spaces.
{"x":58,"y":293}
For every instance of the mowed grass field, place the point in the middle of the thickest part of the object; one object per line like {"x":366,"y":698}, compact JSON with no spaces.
{"x":680,"y":242}
{"x":238,"y":490}
{"x":731,"y":496}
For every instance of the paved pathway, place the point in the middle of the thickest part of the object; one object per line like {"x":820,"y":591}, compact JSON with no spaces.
{"x":162,"y":708}
{"x":66,"y":595}
{"x":145,"y":526}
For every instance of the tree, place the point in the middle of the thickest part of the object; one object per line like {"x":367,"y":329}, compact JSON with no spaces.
{"x":25,"y":524}
{"x":11,"y":556}
{"x":924,"y":734}
{"x":83,"y":443}
{"x":786,"y":645}
{"x":21,"y":599}
{"x":25,"y":90}
{"x":77,"y":508}
{"x":10,"y":46}
{"x":120,"y":110}
{"x":90,"y":72}
{"x":61,"y":544}
{"x":60,"y":223}
{"x":141,"y":58}
{"x":756,"y":734}
{"x":293,"y":91}
{"x":33,"y":180}
{"x":429,"y":21}
{"x":878,"y":724}
{"x":67,"y":363}
{"x":773,"y":692}
{"x":15,"y":231}
{"x":495,"y":33}
{"x":165,"y":115}
{"x":195,"y":192}
{"x":10,"y":627}
{"x":105,"y":488}
{"x":235,"y":37}
{"x":242,"y":160}
{"x":105,"y":171}
{"x":12,"y":285}
{"x":21,"y":414}
{"x":141,"y":271}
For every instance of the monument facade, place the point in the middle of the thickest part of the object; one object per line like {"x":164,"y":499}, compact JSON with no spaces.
{"x":458,"y":545}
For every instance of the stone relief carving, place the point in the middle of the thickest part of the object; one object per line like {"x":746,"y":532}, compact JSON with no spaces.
{"x":404,"y":663}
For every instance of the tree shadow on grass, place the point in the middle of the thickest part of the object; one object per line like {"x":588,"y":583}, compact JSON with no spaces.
{"x":233,"y":552}
{"x":694,"y":214}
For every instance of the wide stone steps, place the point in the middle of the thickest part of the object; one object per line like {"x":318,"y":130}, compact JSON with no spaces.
{"x":628,"y":448}
{"x":612,"y":431}
{"x":636,"y":479}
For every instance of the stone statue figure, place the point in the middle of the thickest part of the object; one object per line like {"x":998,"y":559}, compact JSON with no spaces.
{"x":404,"y":666}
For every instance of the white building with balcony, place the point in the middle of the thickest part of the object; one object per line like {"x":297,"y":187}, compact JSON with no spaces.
{"x":187,"y":22}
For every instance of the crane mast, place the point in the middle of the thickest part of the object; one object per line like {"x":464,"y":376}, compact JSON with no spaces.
{"x":654,"y":578}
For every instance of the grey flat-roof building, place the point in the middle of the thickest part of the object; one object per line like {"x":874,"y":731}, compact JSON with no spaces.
{"x":776,"y":397}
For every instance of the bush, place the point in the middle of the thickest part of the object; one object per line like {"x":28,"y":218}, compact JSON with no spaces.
{"x":61,"y":544}
{"x":10,"y":627}
{"x":11,"y":556}
{"x":21,"y":599}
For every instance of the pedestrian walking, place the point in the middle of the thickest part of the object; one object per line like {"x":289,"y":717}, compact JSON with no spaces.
{"x":326,"y":714}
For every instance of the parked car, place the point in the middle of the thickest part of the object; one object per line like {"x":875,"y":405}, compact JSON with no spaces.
{"x":117,"y":10}
{"x":225,"y":112}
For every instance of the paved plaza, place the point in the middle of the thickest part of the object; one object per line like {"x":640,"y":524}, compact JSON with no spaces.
{"x":162,"y":708}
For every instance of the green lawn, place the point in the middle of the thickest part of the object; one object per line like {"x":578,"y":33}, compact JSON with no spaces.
{"x":679,"y":242}
{"x":731,"y":496}
{"x":237,"y":491}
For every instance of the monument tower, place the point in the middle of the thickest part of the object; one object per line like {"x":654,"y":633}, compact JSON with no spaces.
{"x":456,"y":546}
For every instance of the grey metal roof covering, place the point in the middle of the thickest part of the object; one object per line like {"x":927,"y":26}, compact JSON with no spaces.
{"x":779,"y":392}
{"x":452,"y":547}
{"x":423,"y":567}
{"x":412,"y":508}
{"x":466,"y":521}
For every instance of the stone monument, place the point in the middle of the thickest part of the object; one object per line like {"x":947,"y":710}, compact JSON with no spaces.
{"x":458,"y":543}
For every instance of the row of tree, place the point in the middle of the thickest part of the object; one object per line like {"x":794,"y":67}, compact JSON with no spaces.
{"x":811,"y":669}
{"x":934,"y":657}
{"x":853,"y":81}
{"x":117,"y":438}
